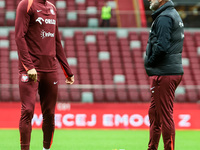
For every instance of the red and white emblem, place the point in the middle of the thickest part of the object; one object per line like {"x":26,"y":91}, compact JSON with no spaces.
{"x":24,"y":78}
{"x":52,"y":11}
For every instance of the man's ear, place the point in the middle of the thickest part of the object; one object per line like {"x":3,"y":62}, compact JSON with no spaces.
{"x":162,"y":2}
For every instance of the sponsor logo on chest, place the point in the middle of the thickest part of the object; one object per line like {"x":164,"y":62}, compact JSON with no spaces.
{"x":45,"y":34}
{"x":40,"y":20}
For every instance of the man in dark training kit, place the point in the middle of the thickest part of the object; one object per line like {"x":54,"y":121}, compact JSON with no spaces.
{"x":39,"y":49}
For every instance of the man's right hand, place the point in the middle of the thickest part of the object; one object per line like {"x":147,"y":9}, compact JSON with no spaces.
{"x":32,"y":73}
{"x":69,"y":80}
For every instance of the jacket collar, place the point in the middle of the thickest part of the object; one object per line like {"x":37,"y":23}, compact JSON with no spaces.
{"x":41,"y":1}
{"x":161,"y":9}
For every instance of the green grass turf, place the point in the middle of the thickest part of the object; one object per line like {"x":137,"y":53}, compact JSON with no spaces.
{"x":98,"y":140}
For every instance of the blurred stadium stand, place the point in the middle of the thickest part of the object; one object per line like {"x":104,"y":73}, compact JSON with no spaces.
{"x":107,"y":62}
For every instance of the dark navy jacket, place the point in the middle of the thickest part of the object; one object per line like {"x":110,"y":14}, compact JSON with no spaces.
{"x":165,"y":44}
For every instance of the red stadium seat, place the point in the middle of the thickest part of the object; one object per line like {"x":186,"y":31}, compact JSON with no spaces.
{"x":122,"y":95}
{"x":181,"y":98}
{"x":75,"y":95}
{"x":63,"y":95}
{"x":99,"y":95}
{"x":145,"y":95}
{"x":192,"y":95}
{"x":133,"y":95}
{"x":110,"y":95}
{"x":5,"y":94}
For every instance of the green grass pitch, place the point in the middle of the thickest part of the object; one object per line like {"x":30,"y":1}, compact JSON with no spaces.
{"x":98,"y":140}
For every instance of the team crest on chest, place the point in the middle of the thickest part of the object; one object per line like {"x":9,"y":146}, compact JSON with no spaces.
{"x":52,"y":11}
{"x":24,"y":78}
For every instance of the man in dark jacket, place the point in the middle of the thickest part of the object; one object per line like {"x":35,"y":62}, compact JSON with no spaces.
{"x":163,"y":64}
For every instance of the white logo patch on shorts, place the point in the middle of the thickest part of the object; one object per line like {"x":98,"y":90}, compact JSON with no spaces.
{"x":25,"y":78}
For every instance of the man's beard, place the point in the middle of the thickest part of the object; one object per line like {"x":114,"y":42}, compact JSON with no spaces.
{"x":154,"y":6}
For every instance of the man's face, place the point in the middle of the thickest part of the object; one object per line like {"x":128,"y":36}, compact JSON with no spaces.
{"x":154,"y":4}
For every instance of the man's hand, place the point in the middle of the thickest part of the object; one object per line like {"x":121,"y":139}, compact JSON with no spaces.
{"x":69,"y":80}
{"x":32,"y":73}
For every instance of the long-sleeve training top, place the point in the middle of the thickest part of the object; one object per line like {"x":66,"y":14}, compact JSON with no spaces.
{"x":37,"y":37}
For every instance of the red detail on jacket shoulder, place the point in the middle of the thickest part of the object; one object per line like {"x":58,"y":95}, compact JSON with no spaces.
{"x":30,"y":2}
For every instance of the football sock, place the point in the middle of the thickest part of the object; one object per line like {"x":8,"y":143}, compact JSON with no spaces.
{"x":46,"y":149}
